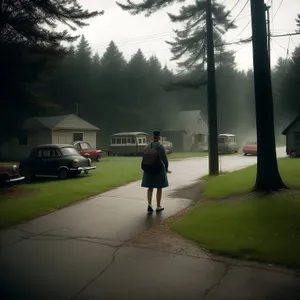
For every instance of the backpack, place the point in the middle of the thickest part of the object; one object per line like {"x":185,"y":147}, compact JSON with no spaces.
{"x":151,"y":162}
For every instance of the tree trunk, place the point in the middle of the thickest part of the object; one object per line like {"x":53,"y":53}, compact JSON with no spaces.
{"x":211,"y":97}
{"x":268,"y":177}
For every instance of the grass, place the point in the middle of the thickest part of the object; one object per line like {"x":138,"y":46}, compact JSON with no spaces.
{"x":27,"y":201}
{"x":261,"y":227}
{"x":183,"y":155}
{"x":242,"y":181}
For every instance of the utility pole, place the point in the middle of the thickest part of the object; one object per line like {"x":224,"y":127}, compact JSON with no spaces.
{"x":267,"y":8}
{"x":211,"y":96}
{"x":268,"y":177}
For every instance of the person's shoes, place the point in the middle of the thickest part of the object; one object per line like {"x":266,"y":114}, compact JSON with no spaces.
{"x":149,"y":209}
{"x":159,"y":208}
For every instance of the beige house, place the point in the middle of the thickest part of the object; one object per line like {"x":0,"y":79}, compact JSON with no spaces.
{"x":35,"y":131}
{"x":188,"y":131}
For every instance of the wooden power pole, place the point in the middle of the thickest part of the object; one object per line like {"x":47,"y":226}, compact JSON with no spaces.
{"x":211,"y":96}
{"x":267,"y":7}
{"x":268,"y":177}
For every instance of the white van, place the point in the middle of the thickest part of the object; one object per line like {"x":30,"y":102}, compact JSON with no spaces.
{"x":227,"y":143}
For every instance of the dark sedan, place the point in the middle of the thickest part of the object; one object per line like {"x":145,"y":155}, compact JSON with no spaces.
{"x":58,"y":160}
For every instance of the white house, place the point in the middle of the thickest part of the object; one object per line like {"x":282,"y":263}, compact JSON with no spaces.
{"x":35,"y":131}
{"x":188,"y":131}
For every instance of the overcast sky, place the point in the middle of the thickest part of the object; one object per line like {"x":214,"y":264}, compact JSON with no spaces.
{"x":149,"y":34}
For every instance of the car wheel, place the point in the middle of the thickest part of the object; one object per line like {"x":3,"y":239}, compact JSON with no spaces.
{"x":98,"y":158}
{"x":245,"y":154}
{"x":29,"y":175}
{"x":63,"y":174}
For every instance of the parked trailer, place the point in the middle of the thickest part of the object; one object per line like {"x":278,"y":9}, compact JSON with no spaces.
{"x":227,"y":143}
{"x":128,"y":143}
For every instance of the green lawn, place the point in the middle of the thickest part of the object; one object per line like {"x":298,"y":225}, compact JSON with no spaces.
{"x":183,"y":155}
{"x":264,"y":228}
{"x":242,"y":181}
{"x":27,"y":201}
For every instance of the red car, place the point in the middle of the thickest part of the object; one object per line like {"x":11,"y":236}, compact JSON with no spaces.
{"x":250,"y":148}
{"x":85,"y":149}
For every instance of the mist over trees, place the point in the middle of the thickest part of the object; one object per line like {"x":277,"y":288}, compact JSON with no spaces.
{"x":40,"y":77}
{"x":119,"y":95}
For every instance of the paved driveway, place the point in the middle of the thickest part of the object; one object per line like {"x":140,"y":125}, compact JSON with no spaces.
{"x":80,"y":251}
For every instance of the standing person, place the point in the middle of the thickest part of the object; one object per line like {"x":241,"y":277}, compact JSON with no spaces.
{"x":155,"y":165}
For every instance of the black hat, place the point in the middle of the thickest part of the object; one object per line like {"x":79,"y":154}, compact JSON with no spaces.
{"x":156,"y":133}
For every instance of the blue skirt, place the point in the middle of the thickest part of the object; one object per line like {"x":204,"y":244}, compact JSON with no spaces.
{"x":156,"y":181}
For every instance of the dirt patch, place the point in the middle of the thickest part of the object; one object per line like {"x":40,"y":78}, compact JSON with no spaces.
{"x":191,"y":192}
{"x":12,"y":192}
{"x":162,"y":238}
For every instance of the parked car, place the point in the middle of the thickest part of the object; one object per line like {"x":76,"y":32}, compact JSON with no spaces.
{"x":9,"y":173}
{"x":58,"y":160}
{"x":167,"y":144}
{"x":250,"y":148}
{"x":85,"y":149}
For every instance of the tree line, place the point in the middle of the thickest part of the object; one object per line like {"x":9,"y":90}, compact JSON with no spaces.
{"x":141,"y":94}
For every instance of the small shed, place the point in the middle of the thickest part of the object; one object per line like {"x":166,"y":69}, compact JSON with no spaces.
{"x":188,"y":131}
{"x":292,"y":133}
{"x":64,"y":129}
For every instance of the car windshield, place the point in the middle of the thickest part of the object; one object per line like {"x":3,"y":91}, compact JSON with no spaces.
{"x":251,"y":143}
{"x":69,"y":151}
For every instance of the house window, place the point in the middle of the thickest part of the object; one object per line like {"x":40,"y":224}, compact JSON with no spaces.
{"x":77,"y":136}
{"x":118,"y":141}
{"x":23,"y":139}
{"x":124,"y":141}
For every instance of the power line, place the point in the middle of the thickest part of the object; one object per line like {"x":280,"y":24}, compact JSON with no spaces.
{"x":286,"y":34}
{"x":277,"y":10}
{"x":238,"y":14}
{"x":278,"y":44}
{"x":242,"y":30}
{"x":236,"y":17}
{"x":294,"y":42}
{"x":273,"y":48}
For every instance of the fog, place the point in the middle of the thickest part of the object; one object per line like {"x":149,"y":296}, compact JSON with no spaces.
{"x":137,"y":94}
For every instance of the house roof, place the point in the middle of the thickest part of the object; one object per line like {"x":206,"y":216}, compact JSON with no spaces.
{"x":285,"y":131}
{"x":185,"y":120}
{"x":59,"y":122}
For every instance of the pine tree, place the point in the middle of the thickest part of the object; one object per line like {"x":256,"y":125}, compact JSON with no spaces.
{"x":33,"y":23}
{"x":298,"y":21}
{"x":113,"y":59}
{"x":189,"y":45}
{"x":111,"y":85}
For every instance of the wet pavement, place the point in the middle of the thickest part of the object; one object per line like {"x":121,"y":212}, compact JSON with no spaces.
{"x":82,"y":252}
